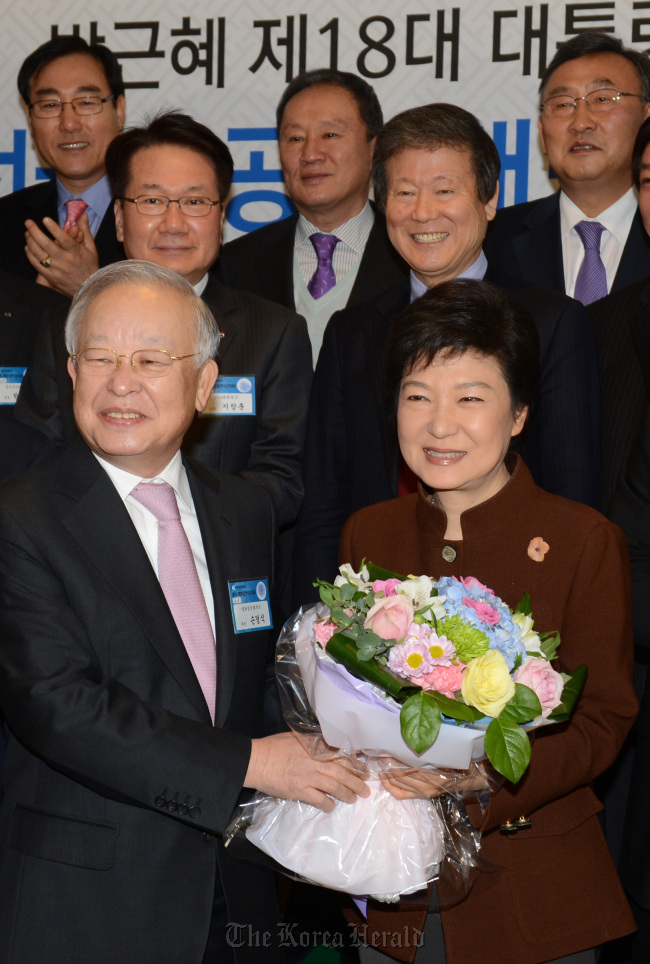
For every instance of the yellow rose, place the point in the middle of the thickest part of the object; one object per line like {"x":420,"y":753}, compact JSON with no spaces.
{"x":487,"y":683}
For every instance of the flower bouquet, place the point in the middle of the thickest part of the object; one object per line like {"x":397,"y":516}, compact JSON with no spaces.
{"x":404,"y":673}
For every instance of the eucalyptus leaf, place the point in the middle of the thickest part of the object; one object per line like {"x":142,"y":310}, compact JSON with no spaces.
{"x":340,"y":617}
{"x":523,"y":707}
{"x":326,"y":594}
{"x":420,"y":721}
{"x":348,"y":591}
{"x":508,"y":748}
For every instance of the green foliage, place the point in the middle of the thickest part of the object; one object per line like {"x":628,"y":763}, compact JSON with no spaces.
{"x":523,"y":607}
{"x":508,"y":748}
{"x":572,"y":690}
{"x":469,"y":641}
{"x":549,"y":644}
{"x":523,"y":707}
{"x":420,"y":721}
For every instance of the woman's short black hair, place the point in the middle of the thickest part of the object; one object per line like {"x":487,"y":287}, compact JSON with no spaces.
{"x":460,"y":316}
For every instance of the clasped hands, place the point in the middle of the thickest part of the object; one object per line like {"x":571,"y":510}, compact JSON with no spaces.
{"x":72,"y":254}
{"x":281,"y":766}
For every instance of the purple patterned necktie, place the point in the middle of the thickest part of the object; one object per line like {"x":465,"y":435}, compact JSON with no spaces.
{"x":74,"y":207}
{"x":323,"y":277}
{"x":591,"y":283}
{"x":179,"y":581}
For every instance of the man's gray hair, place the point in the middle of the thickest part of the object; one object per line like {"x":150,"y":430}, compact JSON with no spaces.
{"x":143,"y":273}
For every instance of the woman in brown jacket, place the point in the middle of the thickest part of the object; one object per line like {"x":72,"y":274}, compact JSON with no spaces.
{"x":463,"y":360}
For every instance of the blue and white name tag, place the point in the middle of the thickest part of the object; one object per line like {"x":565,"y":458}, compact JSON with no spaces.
{"x":232,"y":395}
{"x":249,"y":602}
{"x":10,"y":382}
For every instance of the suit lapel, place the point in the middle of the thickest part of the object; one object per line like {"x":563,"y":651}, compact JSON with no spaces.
{"x":116,"y":551}
{"x":539,"y":247}
{"x":638,"y":321}
{"x":635,"y":261}
{"x":380,"y":265}
{"x":221,"y":303}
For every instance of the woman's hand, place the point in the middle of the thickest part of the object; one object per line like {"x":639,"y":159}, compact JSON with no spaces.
{"x":409,"y":784}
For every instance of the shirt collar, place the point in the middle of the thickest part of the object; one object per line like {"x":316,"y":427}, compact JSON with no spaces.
{"x":354,"y":232}
{"x":476,"y":271}
{"x":617,"y":218}
{"x":174,"y":473}
{"x":199,"y":287}
{"x":97,"y":197}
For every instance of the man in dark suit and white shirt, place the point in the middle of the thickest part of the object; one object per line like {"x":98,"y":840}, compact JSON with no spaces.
{"x":436,"y":173}
{"x":594,"y":96}
{"x":74,"y":97}
{"x":170,"y":180}
{"x":327,"y":121}
{"x":131,"y":731}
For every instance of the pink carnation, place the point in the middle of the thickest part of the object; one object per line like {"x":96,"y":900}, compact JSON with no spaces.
{"x":324,"y":632}
{"x":390,"y":617}
{"x":469,"y":581}
{"x":443,"y":679}
{"x":387,"y":586}
{"x":485,"y":612}
{"x":543,"y":680}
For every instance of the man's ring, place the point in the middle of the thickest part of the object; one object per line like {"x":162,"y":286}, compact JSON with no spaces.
{"x":47,"y":262}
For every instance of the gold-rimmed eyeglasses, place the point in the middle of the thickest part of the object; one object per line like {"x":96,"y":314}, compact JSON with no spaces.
{"x":53,"y":107}
{"x":148,"y":362}
{"x":154,"y":205}
{"x":599,"y":101}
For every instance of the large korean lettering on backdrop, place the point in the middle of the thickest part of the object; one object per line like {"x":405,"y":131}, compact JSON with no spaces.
{"x":227,"y":63}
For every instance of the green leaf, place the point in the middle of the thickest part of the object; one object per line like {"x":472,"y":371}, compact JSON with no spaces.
{"x":570,"y":693}
{"x":340,"y":617}
{"x":549,"y":644}
{"x":524,"y":606}
{"x":523,"y":707}
{"x":348,"y":591}
{"x":326,"y":593}
{"x":455,"y":709}
{"x":420,"y":721}
{"x":344,"y":651}
{"x":508,"y":748}
{"x":378,"y":572}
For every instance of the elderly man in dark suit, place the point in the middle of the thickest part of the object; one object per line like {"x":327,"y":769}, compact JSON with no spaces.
{"x":170,"y":180}
{"x":74,"y":97}
{"x":436,"y":173}
{"x":131,"y":733}
{"x":334,"y":252}
{"x":594,"y":95}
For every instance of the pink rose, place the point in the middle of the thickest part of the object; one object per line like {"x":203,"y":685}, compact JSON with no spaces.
{"x":539,"y":675}
{"x":323,"y":631}
{"x":387,"y":586}
{"x":469,"y":581}
{"x":443,"y":679}
{"x":486,"y":613}
{"x":390,"y":617}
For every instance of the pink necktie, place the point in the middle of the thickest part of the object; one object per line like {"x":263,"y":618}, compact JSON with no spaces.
{"x":591,"y":283}
{"x":180,"y":583}
{"x":75,"y":207}
{"x":323,"y":277}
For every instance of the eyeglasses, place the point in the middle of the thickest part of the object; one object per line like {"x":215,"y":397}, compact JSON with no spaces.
{"x":155,"y":204}
{"x":148,"y":362}
{"x":599,"y":101}
{"x":80,"y":105}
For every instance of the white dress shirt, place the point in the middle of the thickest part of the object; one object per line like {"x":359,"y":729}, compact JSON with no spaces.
{"x":353,"y":237}
{"x":617,"y":221}
{"x":146,"y":523}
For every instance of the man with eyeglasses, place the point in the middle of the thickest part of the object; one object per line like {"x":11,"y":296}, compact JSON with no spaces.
{"x":170,"y":180}
{"x":138,"y":690}
{"x":587,"y":239}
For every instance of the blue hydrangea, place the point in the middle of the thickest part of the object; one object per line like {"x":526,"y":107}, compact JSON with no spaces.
{"x":504,"y":635}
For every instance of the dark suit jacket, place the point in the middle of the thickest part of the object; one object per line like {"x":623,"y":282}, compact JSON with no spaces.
{"x":116,"y":782}
{"x":630,"y":509}
{"x":38,"y":202}
{"x":525,"y":241}
{"x":351,"y":448}
{"x":262,"y":262}
{"x":260,"y":339}
{"x":622,"y":332}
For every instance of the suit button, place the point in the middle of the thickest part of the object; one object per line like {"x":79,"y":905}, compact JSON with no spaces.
{"x":172,"y":806}
{"x":195,"y":812}
{"x":508,"y":827}
{"x":182,"y":810}
{"x":449,"y":554}
{"x":209,"y":837}
{"x":160,"y":801}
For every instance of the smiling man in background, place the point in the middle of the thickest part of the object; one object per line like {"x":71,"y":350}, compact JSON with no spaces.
{"x":587,"y":239}
{"x":74,"y":97}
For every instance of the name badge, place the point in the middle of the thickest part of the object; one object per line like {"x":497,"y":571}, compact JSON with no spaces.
{"x":232,"y":395}
{"x":249,"y":602}
{"x":10,"y":382}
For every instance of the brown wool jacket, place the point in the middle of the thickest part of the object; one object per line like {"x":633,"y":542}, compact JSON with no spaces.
{"x":556,"y":891}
